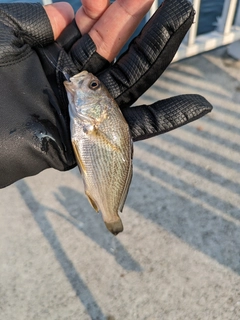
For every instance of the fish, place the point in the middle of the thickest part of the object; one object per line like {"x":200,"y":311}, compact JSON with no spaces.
{"x":102,"y":145}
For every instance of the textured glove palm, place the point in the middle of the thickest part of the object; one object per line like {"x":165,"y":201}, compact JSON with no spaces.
{"x":34,"y":122}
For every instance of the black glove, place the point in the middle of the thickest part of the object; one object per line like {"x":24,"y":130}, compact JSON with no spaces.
{"x":34,"y":122}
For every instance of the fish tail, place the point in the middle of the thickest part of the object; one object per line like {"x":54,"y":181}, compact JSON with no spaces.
{"x":114,"y":226}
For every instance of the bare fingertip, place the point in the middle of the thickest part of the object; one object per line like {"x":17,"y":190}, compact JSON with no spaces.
{"x":60,"y":15}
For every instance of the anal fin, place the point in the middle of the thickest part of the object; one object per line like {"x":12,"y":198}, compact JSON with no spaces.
{"x":92,"y":202}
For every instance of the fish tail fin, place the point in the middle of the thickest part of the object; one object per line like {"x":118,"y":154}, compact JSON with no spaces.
{"x":114,"y":226}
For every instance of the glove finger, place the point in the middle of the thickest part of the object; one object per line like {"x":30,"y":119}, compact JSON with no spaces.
{"x":59,"y":65}
{"x":85,"y":57}
{"x":165,"y":115}
{"x":69,"y":36}
{"x":54,"y":57}
{"x":149,"y":53}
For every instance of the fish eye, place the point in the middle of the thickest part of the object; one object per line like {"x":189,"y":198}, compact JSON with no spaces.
{"x":94,"y":84}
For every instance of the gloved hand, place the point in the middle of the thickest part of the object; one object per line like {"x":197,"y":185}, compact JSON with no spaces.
{"x":34,"y":122}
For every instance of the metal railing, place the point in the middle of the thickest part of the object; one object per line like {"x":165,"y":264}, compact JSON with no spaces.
{"x":45,"y":2}
{"x":227,"y":31}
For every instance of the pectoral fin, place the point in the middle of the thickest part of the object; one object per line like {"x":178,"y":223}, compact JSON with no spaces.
{"x":101,"y":135}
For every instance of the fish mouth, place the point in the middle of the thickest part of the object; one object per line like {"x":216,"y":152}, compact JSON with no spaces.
{"x":74,"y":81}
{"x":79,"y":76}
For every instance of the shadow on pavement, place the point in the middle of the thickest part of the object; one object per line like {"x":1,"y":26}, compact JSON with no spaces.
{"x":96,"y":232}
{"x":39,"y":214}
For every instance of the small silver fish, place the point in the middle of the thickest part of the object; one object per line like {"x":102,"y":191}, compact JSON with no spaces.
{"x":102,"y":144}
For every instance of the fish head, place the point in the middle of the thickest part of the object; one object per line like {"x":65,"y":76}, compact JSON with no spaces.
{"x":86,"y":95}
